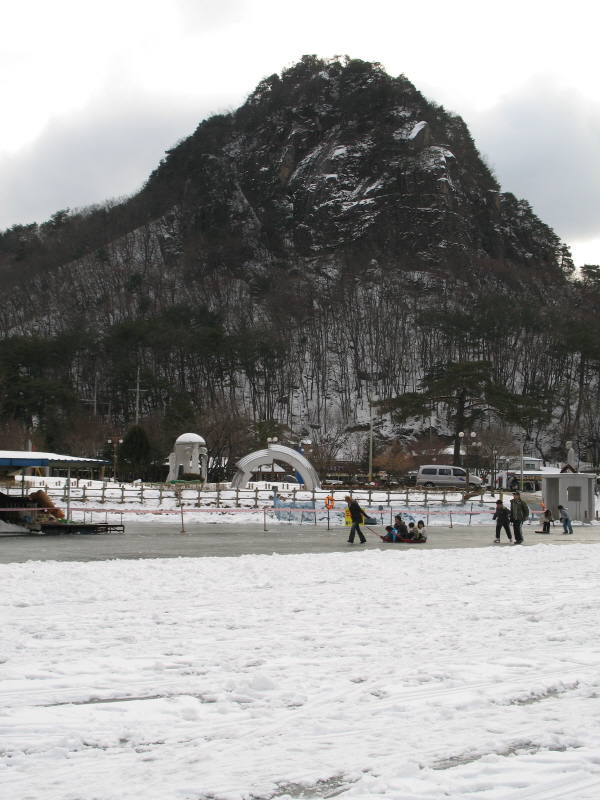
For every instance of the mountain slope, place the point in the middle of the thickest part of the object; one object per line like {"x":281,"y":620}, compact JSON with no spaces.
{"x":338,"y":161}
{"x":336,"y":225}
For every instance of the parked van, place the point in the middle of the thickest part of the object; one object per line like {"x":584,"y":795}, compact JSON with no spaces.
{"x":434,"y":475}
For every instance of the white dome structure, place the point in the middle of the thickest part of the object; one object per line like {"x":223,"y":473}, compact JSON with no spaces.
{"x":189,"y":455}
{"x":190,"y":438}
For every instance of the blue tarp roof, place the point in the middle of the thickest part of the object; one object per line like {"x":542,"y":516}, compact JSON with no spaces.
{"x":27,"y":458}
{"x":24,"y":462}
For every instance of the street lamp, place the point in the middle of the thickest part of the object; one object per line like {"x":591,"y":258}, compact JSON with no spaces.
{"x":272,"y":440}
{"x":370,"y":378}
{"x":372,"y":400}
{"x":114,"y":443}
{"x":521,"y":458}
{"x":470,"y":439}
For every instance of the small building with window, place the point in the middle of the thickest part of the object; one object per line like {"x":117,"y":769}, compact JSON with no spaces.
{"x":273,"y":475}
{"x":573,"y":490}
{"x":268,"y":472}
{"x":533,"y":472}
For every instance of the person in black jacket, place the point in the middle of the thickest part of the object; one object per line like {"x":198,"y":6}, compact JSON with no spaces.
{"x":519,"y":512}
{"x":546,"y":519}
{"x":502,"y":517}
{"x":357,"y":514}
{"x":400,"y":527}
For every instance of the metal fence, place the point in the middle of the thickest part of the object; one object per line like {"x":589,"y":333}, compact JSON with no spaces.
{"x":217,"y":496}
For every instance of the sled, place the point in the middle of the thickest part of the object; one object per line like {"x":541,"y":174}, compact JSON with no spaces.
{"x":403,"y":541}
{"x":398,"y":539}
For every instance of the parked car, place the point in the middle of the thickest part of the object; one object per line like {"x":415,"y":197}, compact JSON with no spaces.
{"x":431,"y":475}
{"x":333,"y":482}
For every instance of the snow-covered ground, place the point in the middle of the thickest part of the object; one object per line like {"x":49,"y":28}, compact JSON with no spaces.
{"x":434,"y":515}
{"x":422,"y":674}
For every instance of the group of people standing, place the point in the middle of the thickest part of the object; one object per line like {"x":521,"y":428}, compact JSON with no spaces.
{"x":519,"y":512}
{"x":515,"y":515}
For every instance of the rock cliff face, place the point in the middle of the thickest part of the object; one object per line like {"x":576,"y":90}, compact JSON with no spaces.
{"x":336,"y":165}
{"x":332,"y":169}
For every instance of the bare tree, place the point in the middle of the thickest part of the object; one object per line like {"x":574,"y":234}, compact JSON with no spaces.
{"x":14,"y":435}
{"x":327,"y":441}
{"x":86,"y":436}
{"x":355,"y":449}
{"x":229,"y":435}
{"x":496,"y":442}
{"x":427,"y":450}
{"x":395,"y":459}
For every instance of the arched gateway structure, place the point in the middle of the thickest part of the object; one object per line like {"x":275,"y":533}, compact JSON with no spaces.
{"x":275,"y":452}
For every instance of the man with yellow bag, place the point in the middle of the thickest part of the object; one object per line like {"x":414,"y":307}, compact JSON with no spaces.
{"x":356,"y":514}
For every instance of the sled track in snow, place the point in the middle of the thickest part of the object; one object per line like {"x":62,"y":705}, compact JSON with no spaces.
{"x":409,"y":695}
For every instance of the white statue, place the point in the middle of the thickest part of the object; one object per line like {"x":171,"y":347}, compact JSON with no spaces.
{"x":189,"y":455}
{"x":570,"y":455}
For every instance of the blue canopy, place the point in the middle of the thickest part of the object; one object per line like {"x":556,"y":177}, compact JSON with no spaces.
{"x":28,"y":458}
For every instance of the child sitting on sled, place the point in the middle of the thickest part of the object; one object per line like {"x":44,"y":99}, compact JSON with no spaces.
{"x":391,"y":535}
{"x":420,"y":532}
{"x":400,"y":533}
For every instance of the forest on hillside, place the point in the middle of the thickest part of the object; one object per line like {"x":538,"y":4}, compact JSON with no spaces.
{"x":301,"y":363}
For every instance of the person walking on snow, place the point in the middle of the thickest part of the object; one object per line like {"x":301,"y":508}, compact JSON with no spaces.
{"x":565,"y":518}
{"x":502,"y":517}
{"x":356,"y":514}
{"x":519,"y":511}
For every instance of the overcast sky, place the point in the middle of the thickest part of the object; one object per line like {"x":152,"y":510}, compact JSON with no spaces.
{"x":93,"y":94}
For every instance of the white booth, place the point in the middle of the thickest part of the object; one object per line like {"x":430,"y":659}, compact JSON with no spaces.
{"x":573,"y":490}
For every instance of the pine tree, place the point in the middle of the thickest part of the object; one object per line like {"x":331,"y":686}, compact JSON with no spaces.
{"x":135,"y":453}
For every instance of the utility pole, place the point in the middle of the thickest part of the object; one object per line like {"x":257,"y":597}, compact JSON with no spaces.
{"x":371,"y":435}
{"x":430,"y":423}
{"x":521,"y":455}
{"x":138,"y":392}
{"x":370,"y":378}
{"x":137,"y":397}
{"x":114,"y":440}
{"x":468,"y":439}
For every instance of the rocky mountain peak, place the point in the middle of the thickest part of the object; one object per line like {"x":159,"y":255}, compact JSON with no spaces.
{"x":336,"y":162}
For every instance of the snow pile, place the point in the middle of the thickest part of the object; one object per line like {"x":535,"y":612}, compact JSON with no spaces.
{"x":10,"y":527}
{"x":424,"y":674}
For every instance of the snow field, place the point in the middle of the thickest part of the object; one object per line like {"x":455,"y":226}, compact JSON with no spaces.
{"x":429,"y":674}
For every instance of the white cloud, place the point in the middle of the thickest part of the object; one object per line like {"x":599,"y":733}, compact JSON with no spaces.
{"x":202,"y":15}
{"x":586,"y":252}
{"x":106,"y":149}
{"x":63,"y":67}
{"x":543,"y":142}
